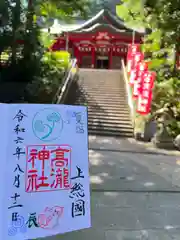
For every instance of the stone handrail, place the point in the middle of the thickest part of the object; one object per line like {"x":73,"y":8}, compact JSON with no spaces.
{"x":65,"y":85}
{"x":128,"y":91}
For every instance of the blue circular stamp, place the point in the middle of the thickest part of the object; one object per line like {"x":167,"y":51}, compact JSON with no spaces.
{"x":18,"y":223}
{"x":12,"y":231}
{"x":47,"y":124}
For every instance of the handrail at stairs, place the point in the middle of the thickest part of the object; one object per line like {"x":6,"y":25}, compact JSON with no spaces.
{"x":66,"y":83}
{"x":128,"y":91}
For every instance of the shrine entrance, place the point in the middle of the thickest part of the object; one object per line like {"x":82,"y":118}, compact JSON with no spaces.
{"x":100,"y":42}
{"x":102,"y":62}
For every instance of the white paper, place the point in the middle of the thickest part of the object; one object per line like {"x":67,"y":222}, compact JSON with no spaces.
{"x":53,"y":142}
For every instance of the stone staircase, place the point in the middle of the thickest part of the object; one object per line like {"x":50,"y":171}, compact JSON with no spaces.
{"x":103,"y":91}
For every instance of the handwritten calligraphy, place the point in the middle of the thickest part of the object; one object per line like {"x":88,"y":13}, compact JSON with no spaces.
{"x":79,"y":122}
{"x":17,"y":220}
{"x":77,"y":194}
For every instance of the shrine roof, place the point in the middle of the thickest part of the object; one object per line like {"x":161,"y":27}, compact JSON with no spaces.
{"x":101,"y":27}
{"x":103,"y":18}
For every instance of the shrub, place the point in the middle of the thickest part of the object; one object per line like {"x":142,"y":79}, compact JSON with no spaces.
{"x":43,"y":88}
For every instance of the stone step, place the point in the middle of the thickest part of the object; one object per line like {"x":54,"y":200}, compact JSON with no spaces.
{"x":101,"y":98}
{"x":104,"y":77}
{"x":106,"y":102}
{"x":100,"y":102}
{"x":119,"y":122}
{"x":100,"y":79}
{"x":94,"y":99}
{"x":102,"y":95}
{"x":102,"y":115}
{"x":99,"y":89}
{"x":109,"y":114}
{"x":105,"y":93}
{"x":113,"y":85}
{"x":106,"y":110}
{"x":111,"y":128}
{"x":96,"y":83}
{"x":103,"y":106}
{"x":112,"y":117}
{"x":107,"y":90}
{"x":109,"y":133}
{"x":125,"y":126}
{"x":96,"y":71}
{"x":121,"y":105}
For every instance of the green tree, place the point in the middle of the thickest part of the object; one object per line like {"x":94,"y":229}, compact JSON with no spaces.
{"x":160,"y":18}
{"x":18,"y":21}
{"x":25,"y":62}
{"x":63,"y":9}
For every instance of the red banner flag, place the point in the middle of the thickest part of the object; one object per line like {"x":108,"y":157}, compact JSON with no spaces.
{"x":145,"y":96}
{"x":133,"y":77}
{"x":132,"y":51}
{"x":143,"y":105}
{"x":142,"y":66}
{"x":137,"y":88}
{"x":133,"y":48}
{"x":148,"y":80}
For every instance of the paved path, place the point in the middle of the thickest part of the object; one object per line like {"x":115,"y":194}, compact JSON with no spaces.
{"x":135,"y":195}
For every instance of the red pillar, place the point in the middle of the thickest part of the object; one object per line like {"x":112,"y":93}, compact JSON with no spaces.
{"x":110,"y":58}
{"x":93,"y":58}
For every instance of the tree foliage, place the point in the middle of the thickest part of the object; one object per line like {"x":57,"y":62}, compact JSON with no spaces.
{"x":63,"y":9}
{"x":20,"y":32}
{"x":161,"y":19}
{"x":23,"y":46}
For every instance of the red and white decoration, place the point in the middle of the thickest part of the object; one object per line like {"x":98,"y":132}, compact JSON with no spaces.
{"x":141,"y":79}
{"x":145,"y":96}
{"x":133,"y":77}
{"x":132,"y":50}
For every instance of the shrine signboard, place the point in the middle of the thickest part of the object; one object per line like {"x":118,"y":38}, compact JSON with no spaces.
{"x":45,"y":170}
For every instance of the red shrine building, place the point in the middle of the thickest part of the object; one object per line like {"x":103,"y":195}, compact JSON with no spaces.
{"x":100,"y":42}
